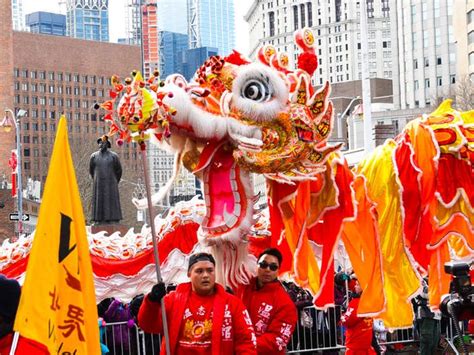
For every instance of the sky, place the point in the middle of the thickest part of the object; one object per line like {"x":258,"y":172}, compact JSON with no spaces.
{"x":117,"y":17}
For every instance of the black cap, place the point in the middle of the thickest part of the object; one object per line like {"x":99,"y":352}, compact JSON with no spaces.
{"x":193,"y":259}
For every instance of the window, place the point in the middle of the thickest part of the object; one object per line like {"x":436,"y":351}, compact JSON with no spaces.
{"x":427,"y":83}
{"x":415,"y":64}
{"x":471,"y":58}
{"x":439,"y":81}
{"x":271,"y":21}
{"x":470,"y":16}
{"x":427,"y":62}
{"x":295,"y":22}
{"x":470,"y":37}
{"x":416,"y":85}
{"x":302,"y":14}
{"x":439,"y":61}
{"x":310,"y":14}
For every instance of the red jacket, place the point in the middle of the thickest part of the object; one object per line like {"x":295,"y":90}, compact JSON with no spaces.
{"x":273,"y":315}
{"x":359,"y":330}
{"x":25,"y":346}
{"x":243,"y":342}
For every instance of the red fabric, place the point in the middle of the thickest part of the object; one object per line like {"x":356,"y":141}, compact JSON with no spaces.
{"x":454,"y":174}
{"x":16,"y":269}
{"x":232,"y":331}
{"x":277,"y":193}
{"x":327,"y":232}
{"x":184,"y":238}
{"x":359,"y":330}
{"x":25,"y":346}
{"x":273,"y":314}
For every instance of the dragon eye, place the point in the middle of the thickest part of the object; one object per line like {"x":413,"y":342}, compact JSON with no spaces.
{"x":256,"y":91}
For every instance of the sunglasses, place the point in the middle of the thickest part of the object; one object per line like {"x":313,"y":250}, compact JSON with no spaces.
{"x":264,"y":265}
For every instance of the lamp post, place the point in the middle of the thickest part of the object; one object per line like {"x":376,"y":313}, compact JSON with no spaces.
{"x":7,"y":125}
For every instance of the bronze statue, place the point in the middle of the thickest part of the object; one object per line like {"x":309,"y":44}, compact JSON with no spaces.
{"x":106,"y":172}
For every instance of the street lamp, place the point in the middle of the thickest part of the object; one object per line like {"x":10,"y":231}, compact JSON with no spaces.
{"x":7,"y":124}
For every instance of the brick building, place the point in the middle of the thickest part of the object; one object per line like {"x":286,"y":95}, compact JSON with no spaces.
{"x":48,"y":76}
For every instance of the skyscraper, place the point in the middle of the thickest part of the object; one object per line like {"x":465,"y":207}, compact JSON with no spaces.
{"x":17,"y":15}
{"x":88,"y":19}
{"x":336,"y":25}
{"x":46,"y":23}
{"x":172,"y":16}
{"x":463,"y":20}
{"x":424,"y":61}
{"x":211,"y":23}
{"x":172,"y":48}
{"x":150,"y":45}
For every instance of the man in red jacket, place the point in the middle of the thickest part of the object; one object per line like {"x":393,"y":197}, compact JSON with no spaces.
{"x":272,"y":311}
{"x":202,"y":317}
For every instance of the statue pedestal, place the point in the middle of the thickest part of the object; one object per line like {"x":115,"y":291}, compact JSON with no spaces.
{"x":110,"y":228}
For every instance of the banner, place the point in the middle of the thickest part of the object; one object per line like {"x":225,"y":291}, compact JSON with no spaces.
{"x":58,"y":304}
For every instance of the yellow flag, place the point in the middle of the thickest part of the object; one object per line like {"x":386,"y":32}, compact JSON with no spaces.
{"x":58,"y":306}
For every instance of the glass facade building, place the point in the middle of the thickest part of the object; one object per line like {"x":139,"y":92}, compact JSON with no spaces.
{"x":172,"y":16}
{"x":194,"y":58}
{"x":211,"y":23}
{"x":173,"y":47}
{"x":88,"y":19}
{"x":46,"y":23}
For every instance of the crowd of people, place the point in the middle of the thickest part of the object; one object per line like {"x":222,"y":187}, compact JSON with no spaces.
{"x":203,"y":317}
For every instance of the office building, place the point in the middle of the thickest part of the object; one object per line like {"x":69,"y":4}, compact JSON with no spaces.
{"x":173,"y":47}
{"x":17,"y":15}
{"x":172,"y":16}
{"x":336,"y":25}
{"x":424,"y":48}
{"x":53,"y":75}
{"x":463,"y":21}
{"x":211,"y":23}
{"x":46,"y":23}
{"x":88,"y":19}
{"x":194,"y":58}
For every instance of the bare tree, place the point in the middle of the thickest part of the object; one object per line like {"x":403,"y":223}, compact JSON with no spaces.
{"x":81,"y":152}
{"x":464,"y":94}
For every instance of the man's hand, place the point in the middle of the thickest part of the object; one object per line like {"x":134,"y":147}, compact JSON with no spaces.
{"x":157,"y":292}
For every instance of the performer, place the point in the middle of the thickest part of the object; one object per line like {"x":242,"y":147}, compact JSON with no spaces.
{"x":106,"y":171}
{"x":202,"y":317}
{"x":359,"y":332}
{"x":272,"y":311}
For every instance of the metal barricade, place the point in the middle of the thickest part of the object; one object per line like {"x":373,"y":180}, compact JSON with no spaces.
{"x":150,"y":343}
{"x":316,"y":331}
{"x":122,"y":339}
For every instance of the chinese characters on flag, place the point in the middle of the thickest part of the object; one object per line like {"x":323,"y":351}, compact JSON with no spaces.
{"x":58,"y":306}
